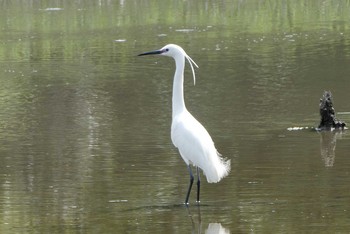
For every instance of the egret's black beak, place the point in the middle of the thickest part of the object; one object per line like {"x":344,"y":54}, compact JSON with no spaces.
{"x":151,"y":52}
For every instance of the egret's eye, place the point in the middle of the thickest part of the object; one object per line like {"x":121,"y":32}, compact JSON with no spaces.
{"x":166,"y":49}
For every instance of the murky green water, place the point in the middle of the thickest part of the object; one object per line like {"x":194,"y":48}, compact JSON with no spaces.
{"x":85,"y":124}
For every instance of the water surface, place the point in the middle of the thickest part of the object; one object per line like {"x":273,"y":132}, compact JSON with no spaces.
{"x":85,"y":124}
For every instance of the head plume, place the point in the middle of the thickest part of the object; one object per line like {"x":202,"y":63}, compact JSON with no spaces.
{"x":173,"y":50}
{"x":190,"y":61}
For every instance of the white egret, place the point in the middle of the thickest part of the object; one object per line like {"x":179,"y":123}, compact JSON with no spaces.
{"x":187,"y":134}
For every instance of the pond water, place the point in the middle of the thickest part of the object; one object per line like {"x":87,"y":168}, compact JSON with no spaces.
{"x":85,"y":124}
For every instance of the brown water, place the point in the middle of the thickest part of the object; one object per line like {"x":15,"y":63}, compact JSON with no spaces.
{"x":85,"y":124}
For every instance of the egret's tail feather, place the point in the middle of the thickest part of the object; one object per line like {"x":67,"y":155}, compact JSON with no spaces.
{"x":217,"y":169}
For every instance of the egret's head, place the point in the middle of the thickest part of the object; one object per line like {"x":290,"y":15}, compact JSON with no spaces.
{"x":174,"y":51}
{"x":170,"y":50}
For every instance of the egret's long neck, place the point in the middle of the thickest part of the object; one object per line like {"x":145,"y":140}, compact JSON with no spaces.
{"x":178,"y":87}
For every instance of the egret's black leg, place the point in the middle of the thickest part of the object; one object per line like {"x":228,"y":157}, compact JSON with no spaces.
{"x":189,"y":187}
{"x":198,"y":184}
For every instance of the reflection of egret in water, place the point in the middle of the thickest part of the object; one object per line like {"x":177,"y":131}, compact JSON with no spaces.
{"x":328,"y":142}
{"x":213,"y":228}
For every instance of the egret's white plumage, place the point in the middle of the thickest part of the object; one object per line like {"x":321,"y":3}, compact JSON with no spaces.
{"x":188,"y":135}
{"x":196,"y":146}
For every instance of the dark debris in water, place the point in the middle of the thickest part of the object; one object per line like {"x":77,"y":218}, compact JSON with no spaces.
{"x":327,"y":112}
{"x":328,"y":120}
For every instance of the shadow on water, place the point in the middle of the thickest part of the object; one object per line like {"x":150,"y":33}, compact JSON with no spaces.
{"x":213,"y":228}
{"x":193,"y":214}
{"x":328,"y":141}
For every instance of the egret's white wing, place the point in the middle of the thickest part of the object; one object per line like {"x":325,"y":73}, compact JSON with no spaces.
{"x":196,"y":146}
